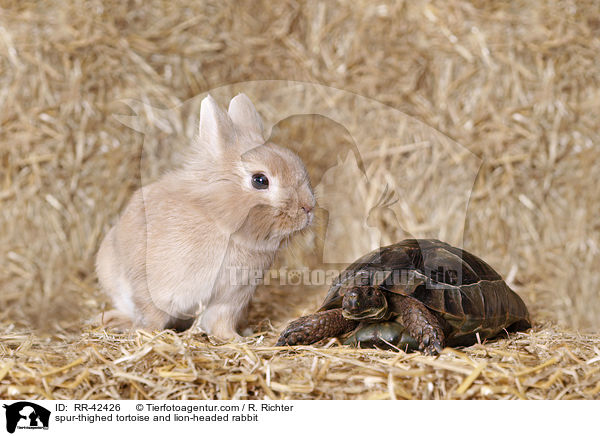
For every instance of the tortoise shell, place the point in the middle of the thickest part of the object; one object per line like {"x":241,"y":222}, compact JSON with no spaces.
{"x":461,"y":288}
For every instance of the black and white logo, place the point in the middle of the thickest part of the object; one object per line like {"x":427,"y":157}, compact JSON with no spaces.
{"x":26,"y":415}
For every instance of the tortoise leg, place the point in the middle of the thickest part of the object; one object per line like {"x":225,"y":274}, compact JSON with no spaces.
{"x":312,"y":328}
{"x":422,"y":325}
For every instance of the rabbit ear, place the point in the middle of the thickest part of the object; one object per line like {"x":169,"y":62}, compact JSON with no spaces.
{"x":245,"y":117}
{"x":216,"y":128}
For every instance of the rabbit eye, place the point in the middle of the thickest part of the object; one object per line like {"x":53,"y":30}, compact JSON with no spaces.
{"x":260,"y":181}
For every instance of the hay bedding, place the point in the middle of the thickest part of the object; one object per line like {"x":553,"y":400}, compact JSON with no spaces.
{"x":516,"y":83}
{"x":546,"y":363}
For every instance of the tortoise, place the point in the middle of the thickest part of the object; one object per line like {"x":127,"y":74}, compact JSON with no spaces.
{"x":417,"y":294}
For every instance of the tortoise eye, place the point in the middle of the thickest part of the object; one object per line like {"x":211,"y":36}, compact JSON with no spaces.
{"x":260,"y":181}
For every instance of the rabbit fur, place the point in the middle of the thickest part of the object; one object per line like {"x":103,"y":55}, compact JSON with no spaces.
{"x":179,"y":242}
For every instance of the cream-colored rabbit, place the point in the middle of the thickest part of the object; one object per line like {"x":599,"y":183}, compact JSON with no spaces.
{"x":183,"y":242}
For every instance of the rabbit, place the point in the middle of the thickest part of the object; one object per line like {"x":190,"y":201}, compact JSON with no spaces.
{"x":177,"y":247}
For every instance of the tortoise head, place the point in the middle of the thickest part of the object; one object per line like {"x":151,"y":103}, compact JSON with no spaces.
{"x":364,"y":302}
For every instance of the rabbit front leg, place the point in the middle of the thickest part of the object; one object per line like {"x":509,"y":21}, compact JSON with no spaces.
{"x":223,"y":317}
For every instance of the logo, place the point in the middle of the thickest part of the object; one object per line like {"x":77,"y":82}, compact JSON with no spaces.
{"x":26,"y":415}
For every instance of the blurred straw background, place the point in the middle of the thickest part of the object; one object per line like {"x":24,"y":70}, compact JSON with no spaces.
{"x":506,"y":93}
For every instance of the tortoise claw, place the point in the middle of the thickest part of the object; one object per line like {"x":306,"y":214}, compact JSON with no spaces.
{"x":422,"y":325}
{"x":433,"y":349}
{"x":294,"y":334}
{"x":302,"y":331}
{"x":312,"y":328}
{"x":430,"y":341}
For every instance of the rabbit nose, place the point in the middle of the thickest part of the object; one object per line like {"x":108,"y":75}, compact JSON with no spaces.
{"x":307,"y":209}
